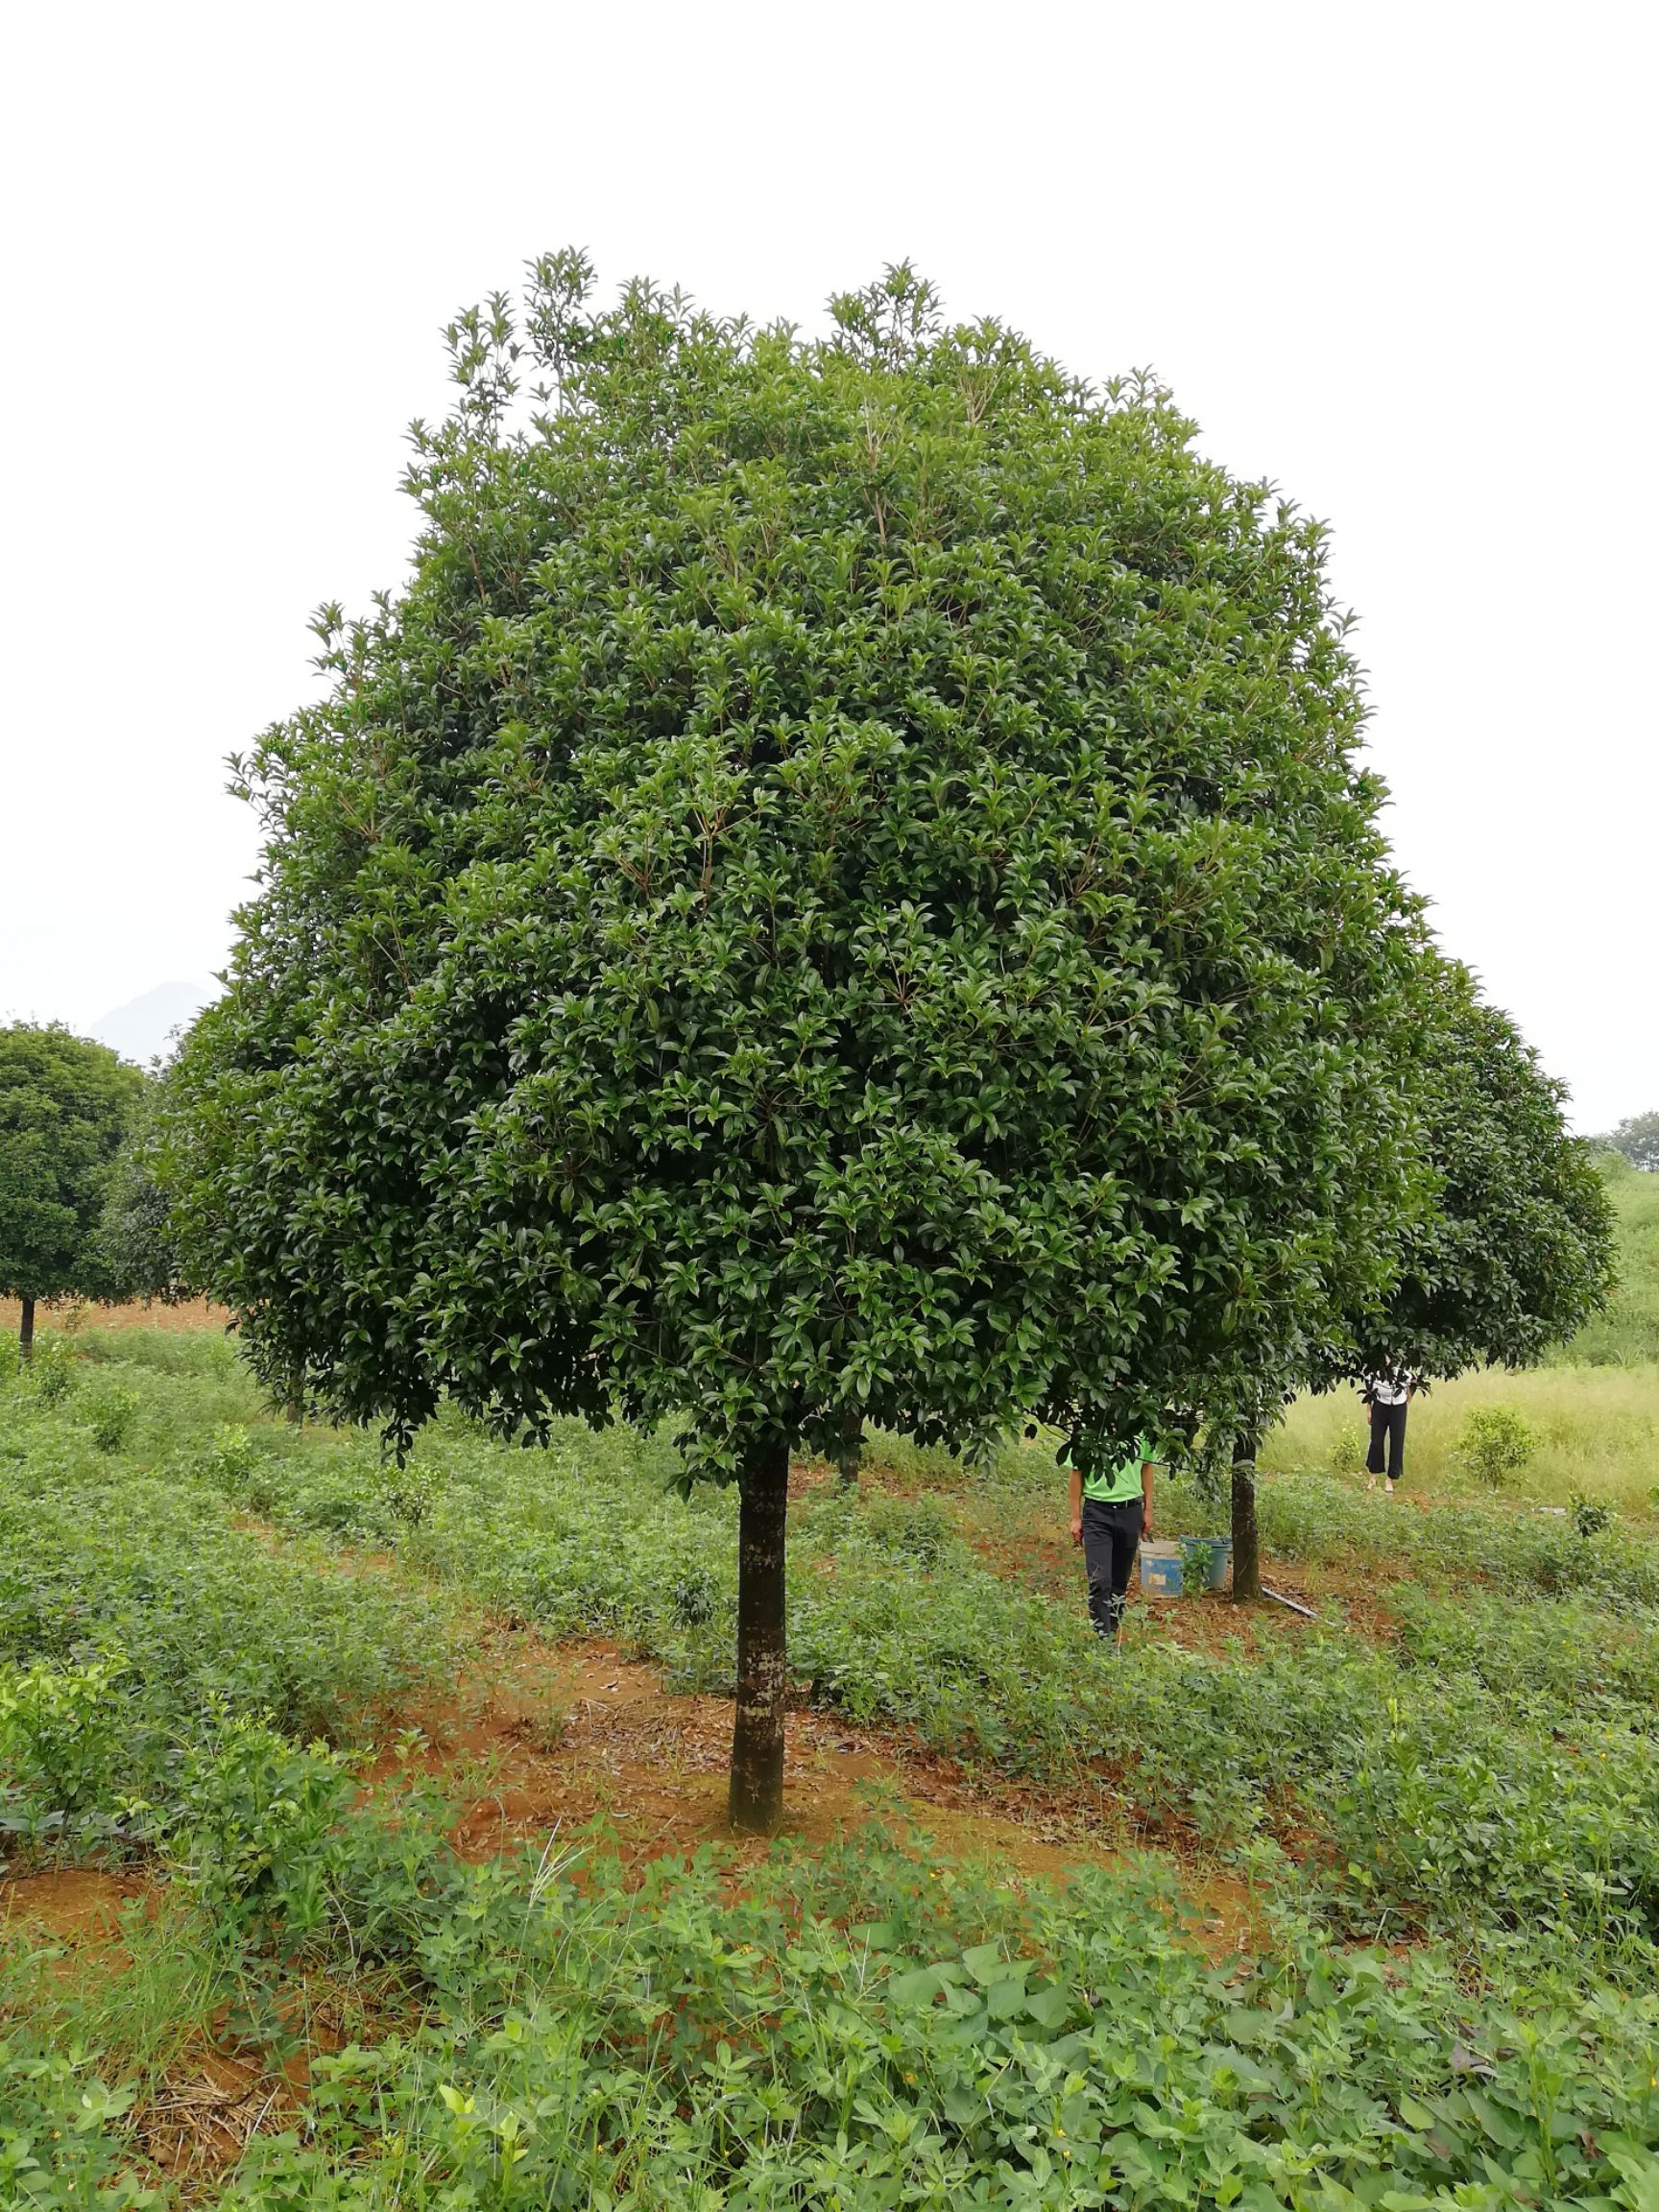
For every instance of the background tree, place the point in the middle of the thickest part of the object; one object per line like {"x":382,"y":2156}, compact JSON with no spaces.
{"x":138,"y":1245}
{"x":1509,"y":1245}
{"x":1511,"y":1248}
{"x":840,"y":889}
{"x":65,"y":1104}
{"x":1637,"y":1140}
{"x":1505,"y":1246}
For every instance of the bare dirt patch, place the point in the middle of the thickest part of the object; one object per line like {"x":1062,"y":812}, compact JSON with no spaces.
{"x":75,"y":1317}
{"x":67,"y":1904}
{"x":542,"y":1740}
{"x":1209,"y":1621}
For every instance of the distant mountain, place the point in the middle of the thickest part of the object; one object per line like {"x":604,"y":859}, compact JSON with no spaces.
{"x":144,"y":1027}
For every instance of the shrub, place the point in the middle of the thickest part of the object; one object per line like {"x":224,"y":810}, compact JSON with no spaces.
{"x":695,"y":1597}
{"x":1347,"y":1453}
{"x":407,"y":1493}
{"x":62,"y":2139}
{"x":59,"y":1732}
{"x":272,"y":1841}
{"x":52,"y":1371}
{"x":239,"y":1468}
{"x":254,"y":1806}
{"x":1495,"y":1443}
{"x":917,"y":1528}
{"x":110,"y":1415}
{"x":1591,"y":1516}
{"x":232,"y":1457}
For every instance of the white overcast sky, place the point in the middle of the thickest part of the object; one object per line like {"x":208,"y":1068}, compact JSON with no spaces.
{"x":1398,"y":257}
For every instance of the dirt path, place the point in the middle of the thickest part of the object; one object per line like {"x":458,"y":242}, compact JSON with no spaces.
{"x":73,"y":1317}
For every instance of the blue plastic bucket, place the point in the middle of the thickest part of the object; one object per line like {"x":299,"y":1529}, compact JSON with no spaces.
{"x":1161,"y":1570}
{"x":1203,"y":1560}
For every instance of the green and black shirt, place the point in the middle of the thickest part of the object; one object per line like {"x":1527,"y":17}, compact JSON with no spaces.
{"x":1118,"y":1482}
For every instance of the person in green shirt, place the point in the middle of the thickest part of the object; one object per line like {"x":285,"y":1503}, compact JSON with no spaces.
{"x":1111,"y":1513}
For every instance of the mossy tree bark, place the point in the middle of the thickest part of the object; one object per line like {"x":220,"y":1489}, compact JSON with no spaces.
{"x":757,"y":1791}
{"x":1246,"y":1545}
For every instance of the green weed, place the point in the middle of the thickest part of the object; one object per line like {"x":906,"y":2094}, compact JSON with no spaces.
{"x":110,"y":1415}
{"x":1494,"y":1444}
{"x":871,"y":2025}
{"x":1591,"y":1516}
{"x":52,"y":1372}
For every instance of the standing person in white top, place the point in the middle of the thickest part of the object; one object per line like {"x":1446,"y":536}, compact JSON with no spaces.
{"x":1387,"y":1394}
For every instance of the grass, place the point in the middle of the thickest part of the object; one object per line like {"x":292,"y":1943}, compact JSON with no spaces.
{"x":1627,"y":1333}
{"x":192,"y":1671}
{"x":1593,"y":1411}
{"x":1596,"y":1431}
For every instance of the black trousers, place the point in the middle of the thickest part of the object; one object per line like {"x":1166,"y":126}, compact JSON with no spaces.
{"x":1110,"y":1536}
{"x":1387,"y":1421}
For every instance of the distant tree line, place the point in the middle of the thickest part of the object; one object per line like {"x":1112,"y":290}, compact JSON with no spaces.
{"x":1636,"y":1140}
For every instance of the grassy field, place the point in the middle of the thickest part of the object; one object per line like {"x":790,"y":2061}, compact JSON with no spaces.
{"x":364,"y":1848}
{"x":1593,"y":1412}
{"x":1594,"y":1430}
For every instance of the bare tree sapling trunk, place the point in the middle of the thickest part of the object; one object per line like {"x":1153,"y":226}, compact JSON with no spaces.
{"x":1246,"y":1548}
{"x":26,"y":1328}
{"x":756,"y":1793}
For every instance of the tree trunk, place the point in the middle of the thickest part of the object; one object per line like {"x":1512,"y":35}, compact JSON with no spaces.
{"x":756,"y":1793}
{"x":25,"y":1328}
{"x":1246,"y":1550}
{"x":850,"y":1456}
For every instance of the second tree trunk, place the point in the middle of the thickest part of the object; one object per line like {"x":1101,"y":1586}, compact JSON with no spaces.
{"x":1246,"y":1550}
{"x":756,"y":1793}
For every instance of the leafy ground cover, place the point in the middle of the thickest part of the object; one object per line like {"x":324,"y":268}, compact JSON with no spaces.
{"x":137,"y":1620}
{"x":338,"y":1979}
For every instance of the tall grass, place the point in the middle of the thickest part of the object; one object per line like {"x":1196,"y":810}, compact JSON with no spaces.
{"x":1593,"y":1410}
{"x":1596,"y":1429}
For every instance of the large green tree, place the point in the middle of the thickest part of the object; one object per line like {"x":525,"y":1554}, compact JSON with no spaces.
{"x":65,"y":1104}
{"x":840,"y":887}
{"x":1503,"y":1246}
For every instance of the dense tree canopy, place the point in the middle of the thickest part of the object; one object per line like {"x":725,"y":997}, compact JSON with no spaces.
{"x":138,"y":1243}
{"x":842,"y":886}
{"x":65,"y":1104}
{"x":1512,"y":1249}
